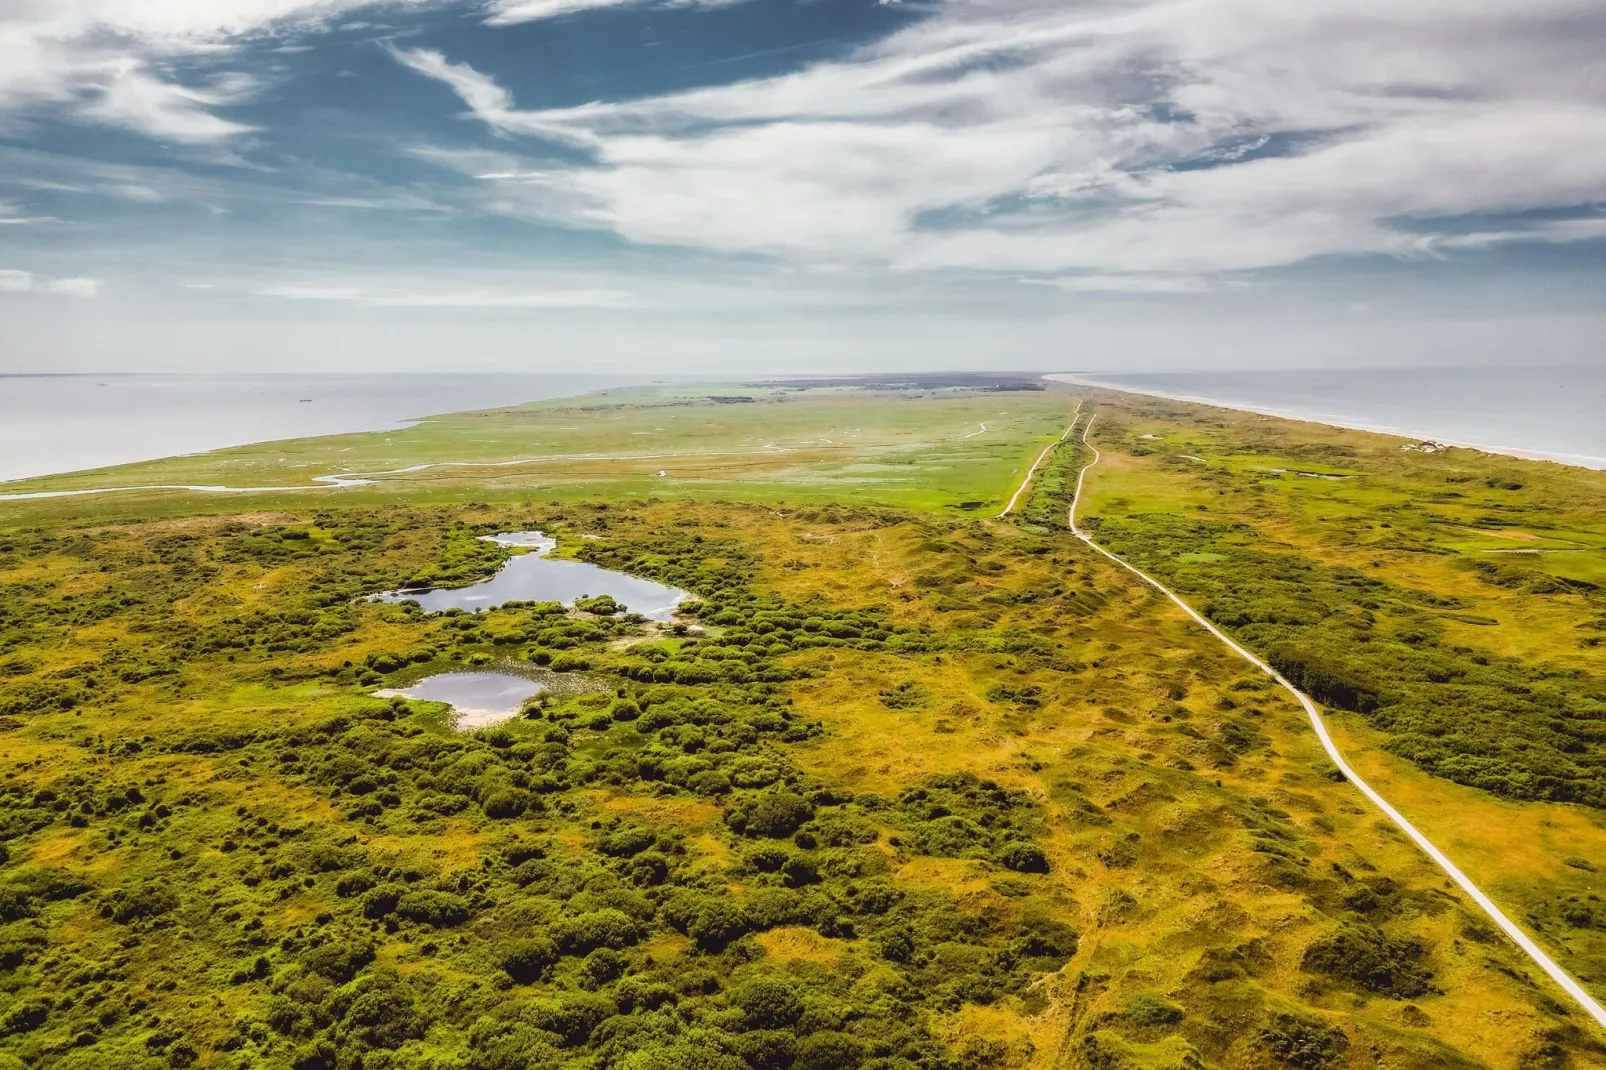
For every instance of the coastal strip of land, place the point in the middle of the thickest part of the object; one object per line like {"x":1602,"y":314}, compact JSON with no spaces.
{"x":1551,"y":968}
{"x":1576,"y":460}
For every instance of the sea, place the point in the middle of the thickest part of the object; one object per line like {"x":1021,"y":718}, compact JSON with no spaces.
{"x":67,"y":423}
{"x":1550,"y":412}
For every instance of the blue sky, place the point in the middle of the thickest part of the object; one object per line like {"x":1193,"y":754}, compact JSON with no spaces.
{"x":775,"y":185}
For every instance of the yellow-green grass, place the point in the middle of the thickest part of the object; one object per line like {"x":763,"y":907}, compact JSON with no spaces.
{"x":1359,"y":522}
{"x":1100,"y":730}
{"x":1515,"y":850}
{"x":1124,"y":735}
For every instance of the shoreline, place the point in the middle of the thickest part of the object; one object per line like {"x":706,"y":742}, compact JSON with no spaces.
{"x":1587,"y":462}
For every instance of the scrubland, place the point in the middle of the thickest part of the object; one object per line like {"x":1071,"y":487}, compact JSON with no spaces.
{"x":906,"y":786}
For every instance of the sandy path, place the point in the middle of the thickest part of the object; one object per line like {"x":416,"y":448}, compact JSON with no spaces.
{"x":1032,"y":471}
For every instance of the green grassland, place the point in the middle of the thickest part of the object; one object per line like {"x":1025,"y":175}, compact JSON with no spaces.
{"x":917,"y":448}
{"x":908,"y":787}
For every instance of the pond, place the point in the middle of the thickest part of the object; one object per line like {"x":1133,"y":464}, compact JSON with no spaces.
{"x":478,"y":698}
{"x":535,"y":577}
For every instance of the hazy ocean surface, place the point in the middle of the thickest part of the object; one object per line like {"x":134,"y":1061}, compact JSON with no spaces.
{"x":66,"y":423}
{"x":1554,"y":412}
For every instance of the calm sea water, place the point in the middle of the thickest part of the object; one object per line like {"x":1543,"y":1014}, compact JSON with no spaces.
{"x":66,"y":423}
{"x":1552,"y":412}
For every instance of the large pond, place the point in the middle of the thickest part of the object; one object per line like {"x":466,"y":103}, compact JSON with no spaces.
{"x":535,"y":577}
{"x":477,"y":698}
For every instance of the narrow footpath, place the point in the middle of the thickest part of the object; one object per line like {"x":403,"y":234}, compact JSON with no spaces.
{"x":1032,"y":471}
{"x":1534,"y":952}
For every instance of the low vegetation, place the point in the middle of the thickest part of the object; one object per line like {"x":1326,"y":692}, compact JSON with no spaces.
{"x":898,"y":789}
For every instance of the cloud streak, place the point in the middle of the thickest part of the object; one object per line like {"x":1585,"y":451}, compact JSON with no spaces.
{"x":1166,"y":137}
{"x":513,"y":12}
{"x":13,"y":281}
{"x":444,"y":295}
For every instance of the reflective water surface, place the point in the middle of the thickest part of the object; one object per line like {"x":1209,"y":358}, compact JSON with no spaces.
{"x":478,"y":698}
{"x":534,"y":577}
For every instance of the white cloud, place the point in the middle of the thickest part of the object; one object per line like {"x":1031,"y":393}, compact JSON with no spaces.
{"x":13,"y":281}
{"x":100,"y":60}
{"x":131,"y":97}
{"x":1140,"y":284}
{"x":73,"y":287}
{"x":511,"y":12}
{"x":487,"y":101}
{"x":443,"y":295}
{"x":1161,"y":137}
{"x":11,"y":216}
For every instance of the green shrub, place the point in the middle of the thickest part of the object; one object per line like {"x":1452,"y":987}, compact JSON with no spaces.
{"x":600,"y":928}
{"x":382,"y":1017}
{"x":1373,"y":961}
{"x":527,"y":960}
{"x":767,"y":1003}
{"x":1022,"y":857}
{"x":830,"y":1051}
{"x":1304,"y":1044}
{"x":1149,"y":1010}
{"x":339,"y":960}
{"x":427,"y":907}
{"x":717,"y":922}
{"x":572,"y":1016}
{"x":129,"y":904}
{"x":773,"y":814}
{"x":508,"y":803}
{"x":766,"y":1049}
{"x":24,"y":1017}
{"x":382,"y":900}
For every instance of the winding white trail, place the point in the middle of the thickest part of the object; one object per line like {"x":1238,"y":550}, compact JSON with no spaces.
{"x":1032,"y":471}
{"x":1540,"y":959}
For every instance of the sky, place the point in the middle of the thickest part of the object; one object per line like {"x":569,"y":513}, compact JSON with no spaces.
{"x":793,"y":186}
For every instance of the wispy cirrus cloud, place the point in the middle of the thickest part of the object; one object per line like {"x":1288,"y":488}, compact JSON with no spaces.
{"x":513,"y":12}
{"x":1165,"y":138}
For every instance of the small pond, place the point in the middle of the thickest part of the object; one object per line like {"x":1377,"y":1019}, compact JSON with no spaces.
{"x":478,"y":698}
{"x":535,"y":577}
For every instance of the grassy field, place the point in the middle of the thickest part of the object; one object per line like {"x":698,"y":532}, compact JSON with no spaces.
{"x":907,"y":787}
{"x":923,"y":449}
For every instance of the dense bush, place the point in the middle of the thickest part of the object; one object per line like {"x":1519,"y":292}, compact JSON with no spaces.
{"x":1368,"y":958}
{"x":1304,"y":1044}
